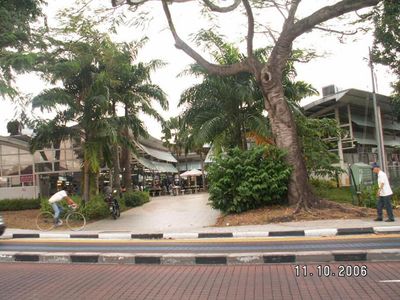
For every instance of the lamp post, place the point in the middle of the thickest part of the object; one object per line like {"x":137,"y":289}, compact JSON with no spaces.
{"x":378,"y":125}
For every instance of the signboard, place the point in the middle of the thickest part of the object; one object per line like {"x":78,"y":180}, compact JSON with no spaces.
{"x":26,"y":178}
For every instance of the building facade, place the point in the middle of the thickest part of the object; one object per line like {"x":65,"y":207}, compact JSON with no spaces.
{"x":353,"y":110}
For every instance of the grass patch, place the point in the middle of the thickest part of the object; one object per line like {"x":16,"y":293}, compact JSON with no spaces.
{"x":340,"y":195}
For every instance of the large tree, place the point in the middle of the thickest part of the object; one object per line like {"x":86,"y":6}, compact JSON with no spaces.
{"x":269,"y":75}
{"x":17,"y":39}
{"x":386,"y":48}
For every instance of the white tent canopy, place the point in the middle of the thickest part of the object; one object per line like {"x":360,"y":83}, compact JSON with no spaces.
{"x":193,"y":172}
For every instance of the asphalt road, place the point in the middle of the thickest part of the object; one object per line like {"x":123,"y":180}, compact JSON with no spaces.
{"x":204,"y":246}
{"x":22,"y":281}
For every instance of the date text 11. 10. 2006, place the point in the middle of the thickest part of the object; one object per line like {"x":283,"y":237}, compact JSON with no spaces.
{"x":331,"y":271}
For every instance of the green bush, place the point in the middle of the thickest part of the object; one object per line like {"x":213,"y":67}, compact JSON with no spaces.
{"x":96,"y":208}
{"x":19,"y":204}
{"x":243,"y":180}
{"x":132,"y":199}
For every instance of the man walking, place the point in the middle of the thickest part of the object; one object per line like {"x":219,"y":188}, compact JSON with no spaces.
{"x":384,"y":193}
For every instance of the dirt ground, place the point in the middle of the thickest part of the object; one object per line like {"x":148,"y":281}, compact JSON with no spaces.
{"x":25,"y":219}
{"x":277,"y":214}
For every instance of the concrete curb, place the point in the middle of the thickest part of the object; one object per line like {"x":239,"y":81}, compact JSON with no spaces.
{"x":341,"y":257}
{"x":329,"y":232}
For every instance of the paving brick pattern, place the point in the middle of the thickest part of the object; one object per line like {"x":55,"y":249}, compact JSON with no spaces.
{"x":82,"y":281}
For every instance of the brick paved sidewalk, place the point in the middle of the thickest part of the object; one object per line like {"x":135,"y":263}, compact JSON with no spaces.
{"x":81,"y":281}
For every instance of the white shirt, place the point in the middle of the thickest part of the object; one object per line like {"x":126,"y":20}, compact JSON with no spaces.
{"x":386,"y":190}
{"x":58,"y":196}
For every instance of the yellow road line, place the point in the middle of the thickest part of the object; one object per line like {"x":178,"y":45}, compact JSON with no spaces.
{"x":207,"y":240}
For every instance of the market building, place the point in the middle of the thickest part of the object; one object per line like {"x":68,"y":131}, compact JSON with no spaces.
{"x":353,"y":110}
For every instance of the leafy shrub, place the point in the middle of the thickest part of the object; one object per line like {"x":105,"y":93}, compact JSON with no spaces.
{"x":132,"y":199}
{"x":244,"y":180}
{"x":19,"y":204}
{"x":96,"y":208}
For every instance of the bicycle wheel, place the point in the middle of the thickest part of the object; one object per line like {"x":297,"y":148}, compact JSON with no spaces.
{"x":76,"y":221}
{"x":45,"y":221}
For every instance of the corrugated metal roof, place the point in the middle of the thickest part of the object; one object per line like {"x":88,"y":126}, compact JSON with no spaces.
{"x":350,"y":96}
{"x":359,"y":120}
{"x":158,"y":154}
{"x":157,"y":166}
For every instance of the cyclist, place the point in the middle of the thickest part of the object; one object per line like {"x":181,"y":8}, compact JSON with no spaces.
{"x":54,"y":202}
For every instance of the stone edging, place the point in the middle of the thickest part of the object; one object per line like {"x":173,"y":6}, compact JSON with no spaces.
{"x":307,"y":233}
{"x":337,"y":256}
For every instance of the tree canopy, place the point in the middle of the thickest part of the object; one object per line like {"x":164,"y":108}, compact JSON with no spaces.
{"x":18,"y":36}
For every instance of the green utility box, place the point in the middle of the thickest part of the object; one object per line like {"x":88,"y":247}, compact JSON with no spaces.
{"x":362,"y":181}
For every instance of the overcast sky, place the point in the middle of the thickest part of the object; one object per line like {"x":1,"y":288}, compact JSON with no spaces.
{"x":344,"y":65}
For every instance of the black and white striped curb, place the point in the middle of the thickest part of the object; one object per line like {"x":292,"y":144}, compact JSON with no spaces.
{"x":337,"y":256}
{"x":177,"y":236}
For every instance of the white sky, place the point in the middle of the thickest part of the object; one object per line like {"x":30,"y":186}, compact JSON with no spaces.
{"x":343,"y":64}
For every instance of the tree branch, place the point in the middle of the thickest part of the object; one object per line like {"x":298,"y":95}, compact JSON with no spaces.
{"x":292,"y":11}
{"x":279,"y":9}
{"x":250,"y":29}
{"x":328,"y":12}
{"x":212,"y":68}
{"x":220,"y":9}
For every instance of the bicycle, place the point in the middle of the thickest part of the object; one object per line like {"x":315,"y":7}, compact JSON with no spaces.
{"x":74,"y":220}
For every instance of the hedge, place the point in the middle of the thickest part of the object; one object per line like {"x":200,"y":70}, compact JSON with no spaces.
{"x":19,"y":204}
{"x":133,"y":199}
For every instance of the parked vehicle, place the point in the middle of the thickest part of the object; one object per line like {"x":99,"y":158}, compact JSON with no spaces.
{"x":2,"y":226}
{"x":113,"y":205}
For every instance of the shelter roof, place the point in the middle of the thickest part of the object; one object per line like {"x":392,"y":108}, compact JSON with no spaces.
{"x":350,"y":96}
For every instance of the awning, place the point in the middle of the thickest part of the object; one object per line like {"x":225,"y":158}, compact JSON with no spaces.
{"x":362,"y":121}
{"x":156,"y":166}
{"x":161,"y":155}
{"x":193,"y":172}
{"x":370,"y":140}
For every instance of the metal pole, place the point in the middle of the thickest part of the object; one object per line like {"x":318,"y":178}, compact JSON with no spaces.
{"x":378,"y":127}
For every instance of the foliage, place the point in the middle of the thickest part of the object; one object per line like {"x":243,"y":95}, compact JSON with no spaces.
{"x":227,"y":110}
{"x":312,"y":133}
{"x":386,"y":48}
{"x":327,"y":189}
{"x":221,"y":110}
{"x":17,"y":38}
{"x":132,"y":199}
{"x":19,"y":204}
{"x":96,"y":75}
{"x":243,"y":180}
{"x":96,"y":208}
{"x":14,"y":127}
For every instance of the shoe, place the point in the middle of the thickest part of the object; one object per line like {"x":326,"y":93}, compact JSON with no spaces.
{"x":378,"y":219}
{"x":59,"y":223}
{"x":389,"y":220}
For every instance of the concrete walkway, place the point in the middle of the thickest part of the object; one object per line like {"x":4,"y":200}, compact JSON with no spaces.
{"x":184,"y":213}
{"x":189,"y":216}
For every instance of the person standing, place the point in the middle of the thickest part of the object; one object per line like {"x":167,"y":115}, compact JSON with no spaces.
{"x":384,"y":193}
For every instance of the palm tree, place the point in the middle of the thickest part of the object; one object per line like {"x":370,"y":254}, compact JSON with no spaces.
{"x":134,"y":90}
{"x":221,"y":110}
{"x":82,"y":101}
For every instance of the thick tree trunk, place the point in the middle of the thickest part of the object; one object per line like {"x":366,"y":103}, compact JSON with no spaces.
{"x":126,"y":159}
{"x":284,"y":130}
